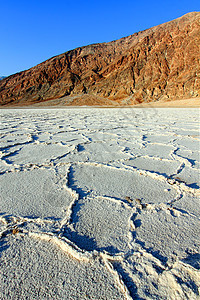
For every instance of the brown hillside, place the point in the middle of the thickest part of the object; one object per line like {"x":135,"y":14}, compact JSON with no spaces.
{"x":160,"y":63}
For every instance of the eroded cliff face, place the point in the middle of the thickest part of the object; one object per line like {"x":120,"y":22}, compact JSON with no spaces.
{"x":160,"y":63}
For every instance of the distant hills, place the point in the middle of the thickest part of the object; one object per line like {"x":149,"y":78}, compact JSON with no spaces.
{"x":160,"y":63}
{"x":2,"y":77}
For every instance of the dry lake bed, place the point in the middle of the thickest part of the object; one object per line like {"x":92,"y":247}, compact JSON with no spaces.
{"x":100,"y":203}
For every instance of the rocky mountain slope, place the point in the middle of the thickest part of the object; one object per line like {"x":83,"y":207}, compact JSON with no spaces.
{"x":159,"y":63}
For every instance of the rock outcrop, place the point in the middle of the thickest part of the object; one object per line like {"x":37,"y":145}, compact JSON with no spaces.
{"x":159,"y":63}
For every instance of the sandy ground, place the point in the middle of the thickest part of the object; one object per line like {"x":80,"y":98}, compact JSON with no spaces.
{"x":100,"y":203}
{"x":193,"y":102}
{"x":94,"y":101}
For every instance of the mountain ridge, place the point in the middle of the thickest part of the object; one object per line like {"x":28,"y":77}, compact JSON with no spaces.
{"x":159,"y":63}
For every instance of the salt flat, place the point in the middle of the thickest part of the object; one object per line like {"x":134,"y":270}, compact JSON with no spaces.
{"x":100,"y":203}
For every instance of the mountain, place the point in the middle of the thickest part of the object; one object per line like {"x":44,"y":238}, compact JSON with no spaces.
{"x":155,"y":64}
{"x":2,"y":77}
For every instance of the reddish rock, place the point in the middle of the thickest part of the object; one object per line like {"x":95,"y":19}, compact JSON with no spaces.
{"x":156,"y":64}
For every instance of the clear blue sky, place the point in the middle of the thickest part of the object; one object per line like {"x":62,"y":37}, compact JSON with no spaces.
{"x":35,"y":30}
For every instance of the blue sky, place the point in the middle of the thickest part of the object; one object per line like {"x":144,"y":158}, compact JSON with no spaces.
{"x":33,"y":31}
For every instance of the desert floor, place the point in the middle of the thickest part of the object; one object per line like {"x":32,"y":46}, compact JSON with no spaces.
{"x":192,"y":102}
{"x":100,"y":203}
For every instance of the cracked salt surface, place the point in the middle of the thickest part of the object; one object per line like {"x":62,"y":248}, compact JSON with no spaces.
{"x":118,"y":183}
{"x":165,"y":233}
{"x":156,"y":165}
{"x":35,"y":193}
{"x":38,"y":153}
{"x":44,"y":272}
{"x":102,"y":224}
{"x":99,"y":204}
